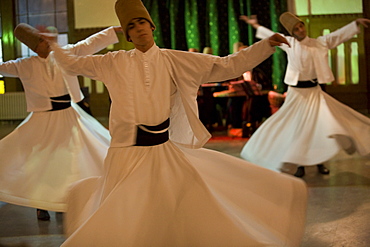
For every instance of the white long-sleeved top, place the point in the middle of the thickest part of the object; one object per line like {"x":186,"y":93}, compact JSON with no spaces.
{"x":147,"y":88}
{"x":42,"y":78}
{"x":308,"y":59}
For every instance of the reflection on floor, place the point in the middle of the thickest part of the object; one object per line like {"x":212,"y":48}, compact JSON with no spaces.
{"x":338,"y":211}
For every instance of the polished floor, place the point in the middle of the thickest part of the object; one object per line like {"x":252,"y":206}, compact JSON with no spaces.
{"x":338,"y":213}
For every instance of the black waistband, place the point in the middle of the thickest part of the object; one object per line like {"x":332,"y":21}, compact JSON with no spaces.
{"x":144,"y":138}
{"x":60,"y":105}
{"x":305,"y":84}
{"x":63,"y":97}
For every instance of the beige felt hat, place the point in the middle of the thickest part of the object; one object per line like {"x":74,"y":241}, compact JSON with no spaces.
{"x":28,"y":35}
{"x":126,"y":10}
{"x":288,"y":20}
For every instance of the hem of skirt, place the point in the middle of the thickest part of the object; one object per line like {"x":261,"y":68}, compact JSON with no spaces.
{"x":55,"y":207}
{"x":298,"y":224}
{"x":313,"y":163}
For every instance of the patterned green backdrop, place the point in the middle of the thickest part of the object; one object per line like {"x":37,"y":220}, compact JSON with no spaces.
{"x":183,"y":24}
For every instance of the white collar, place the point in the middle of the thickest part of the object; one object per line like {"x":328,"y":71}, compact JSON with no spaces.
{"x":149,"y":53}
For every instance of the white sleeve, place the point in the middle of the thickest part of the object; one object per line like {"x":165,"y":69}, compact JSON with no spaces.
{"x":75,"y":65}
{"x":341,"y":35}
{"x":9,"y":68}
{"x":263,"y":32}
{"x":209,"y":68}
{"x":94,"y":43}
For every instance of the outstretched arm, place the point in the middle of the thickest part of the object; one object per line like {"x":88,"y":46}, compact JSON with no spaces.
{"x":96,"y":42}
{"x":74,"y":65}
{"x":345,"y":33}
{"x":274,"y":39}
{"x":10,"y":68}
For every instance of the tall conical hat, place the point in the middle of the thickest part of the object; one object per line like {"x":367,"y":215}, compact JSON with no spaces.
{"x":126,"y":10}
{"x":28,"y":35}
{"x":288,"y":20}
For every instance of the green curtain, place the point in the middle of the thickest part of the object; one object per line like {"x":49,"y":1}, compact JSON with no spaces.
{"x":174,"y":11}
{"x":234,"y":32}
{"x":184,"y":24}
{"x":213,"y":26}
{"x":279,"y":57}
{"x":192,"y":27}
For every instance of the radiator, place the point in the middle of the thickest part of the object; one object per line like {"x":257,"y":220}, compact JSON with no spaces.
{"x":13,"y":106}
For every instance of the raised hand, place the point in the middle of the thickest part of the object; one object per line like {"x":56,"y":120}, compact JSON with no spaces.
{"x":50,"y":38}
{"x":363,"y":21}
{"x":252,"y":20}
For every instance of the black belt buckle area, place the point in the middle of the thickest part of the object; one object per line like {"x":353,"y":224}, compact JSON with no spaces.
{"x":60,"y":102}
{"x":145,"y":138}
{"x":306,"y":84}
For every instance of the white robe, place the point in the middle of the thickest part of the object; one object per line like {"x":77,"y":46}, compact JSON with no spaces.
{"x":176,"y":194}
{"x":42,"y":78}
{"x":50,"y":150}
{"x":311,"y":127}
{"x":316,"y":49}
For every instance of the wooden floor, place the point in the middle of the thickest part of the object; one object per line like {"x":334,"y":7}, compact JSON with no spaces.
{"x":338,"y":212}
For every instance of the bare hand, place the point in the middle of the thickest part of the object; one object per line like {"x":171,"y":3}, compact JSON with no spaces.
{"x":363,"y":21}
{"x":277,"y":40}
{"x":50,"y":38}
{"x":118,"y":29}
{"x":249,"y":20}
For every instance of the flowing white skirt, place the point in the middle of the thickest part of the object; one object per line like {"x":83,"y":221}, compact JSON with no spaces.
{"x":169,"y":196}
{"x":310,"y":128}
{"x":46,"y":153}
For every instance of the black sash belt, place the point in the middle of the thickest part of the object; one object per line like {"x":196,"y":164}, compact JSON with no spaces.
{"x":144,"y":138}
{"x":60,"y":105}
{"x":305,"y":84}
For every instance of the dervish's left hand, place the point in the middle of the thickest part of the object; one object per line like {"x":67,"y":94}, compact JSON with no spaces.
{"x":49,"y":38}
{"x":363,"y":21}
{"x":49,"y":34}
{"x":277,"y":40}
{"x":118,"y":29}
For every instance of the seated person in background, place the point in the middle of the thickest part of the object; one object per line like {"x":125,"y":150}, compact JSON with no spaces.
{"x":247,"y":104}
{"x":276,"y":100}
{"x":211,"y":110}
{"x":236,"y":104}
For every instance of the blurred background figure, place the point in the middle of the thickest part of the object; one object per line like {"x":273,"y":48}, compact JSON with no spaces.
{"x":311,"y":127}
{"x":58,"y":143}
{"x":211,"y":110}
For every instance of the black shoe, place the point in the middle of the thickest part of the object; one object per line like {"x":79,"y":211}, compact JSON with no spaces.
{"x":322,"y":169}
{"x":300,"y":172}
{"x":43,"y":215}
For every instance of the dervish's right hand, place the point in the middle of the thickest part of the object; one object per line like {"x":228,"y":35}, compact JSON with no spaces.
{"x":277,"y":40}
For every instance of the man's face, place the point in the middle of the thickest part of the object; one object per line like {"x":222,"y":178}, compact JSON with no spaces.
{"x":43,"y":48}
{"x":299,"y":31}
{"x":140,"y":32}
